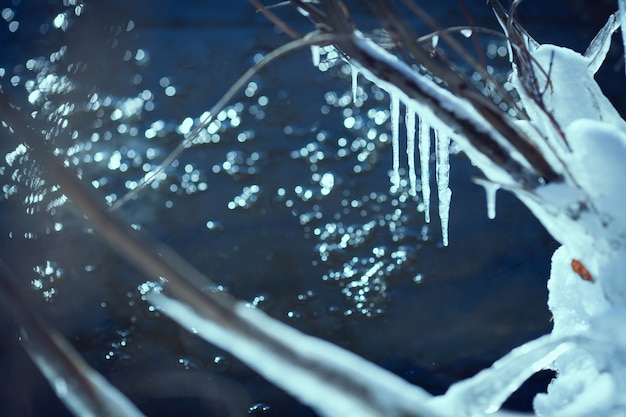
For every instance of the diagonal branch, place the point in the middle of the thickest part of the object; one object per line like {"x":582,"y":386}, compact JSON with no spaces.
{"x":84,"y":391}
{"x":331,"y":380}
{"x":488,"y":136}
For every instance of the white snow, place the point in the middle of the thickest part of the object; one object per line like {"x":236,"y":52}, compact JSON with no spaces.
{"x":333,"y":381}
{"x":598,"y":166}
{"x":573,"y":93}
{"x":585,"y":212}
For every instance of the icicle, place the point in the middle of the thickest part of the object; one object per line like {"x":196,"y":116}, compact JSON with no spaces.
{"x":601,"y":43}
{"x":315,"y":54}
{"x":622,"y":19}
{"x":435,"y":41}
{"x":395,"y":139}
{"x":410,"y":150}
{"x":466,"y":33}
{"x":443,"y":178}
{"x":491,"y":189}
{"x":355,"y":76}
{"x":424,"y":150}
{"x":491,"y":200}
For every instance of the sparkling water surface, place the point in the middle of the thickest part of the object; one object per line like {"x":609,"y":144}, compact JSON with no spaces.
{"x":284,"y":201}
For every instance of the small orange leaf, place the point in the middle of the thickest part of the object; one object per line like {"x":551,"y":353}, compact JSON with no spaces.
{"x":581,"y":270}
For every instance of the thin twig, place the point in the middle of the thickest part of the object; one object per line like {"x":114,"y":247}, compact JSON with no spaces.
{"x":314,"y":38}
{"x":481,"y":69}
{"x":274,"y":19}
{"x":470,"y":21}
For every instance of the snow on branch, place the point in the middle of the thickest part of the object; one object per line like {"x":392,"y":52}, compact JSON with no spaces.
{"x":486,"y":134}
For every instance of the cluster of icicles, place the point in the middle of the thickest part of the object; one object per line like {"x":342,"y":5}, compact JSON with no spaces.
{"x":418,"y":142}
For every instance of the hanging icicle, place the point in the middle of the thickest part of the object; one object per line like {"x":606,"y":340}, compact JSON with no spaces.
{"x":491,"y":200}
{"x":442,"y":156}
{"x":491,"y":189}
{"x":316,"y":55}
{"x":410,"y":150}
{"x":395,"y":139}
{"x":621,"y":13}
{"x":355,"y":85}
{"x":424,"y":152}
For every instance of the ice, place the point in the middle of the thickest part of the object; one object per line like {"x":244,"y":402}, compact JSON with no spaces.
{"x":486,"y":392}
{"x":600,"y":45}
{"x":410,"y":150}
{"x":622,"y":20}
{"x":395,"y":139}
{"x":491,"y":189}
{"x":315,"y":55}
{"x":355,"y":76}
{"x":435,"y":41}
{"x":424,"y":152}
{"x":442,"y":157}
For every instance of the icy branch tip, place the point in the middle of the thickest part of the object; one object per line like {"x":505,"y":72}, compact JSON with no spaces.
{"x":149,"y":288}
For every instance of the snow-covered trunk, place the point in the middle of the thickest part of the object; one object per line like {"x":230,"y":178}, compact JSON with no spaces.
{"x":587,"y":287}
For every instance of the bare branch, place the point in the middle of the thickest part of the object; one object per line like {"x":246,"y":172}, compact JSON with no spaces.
{"x":83,"y":390}
{"x":312,"y":38}
{"x":274,"y":19}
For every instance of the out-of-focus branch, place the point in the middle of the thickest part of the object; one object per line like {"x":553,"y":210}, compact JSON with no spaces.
{"x":368,"y":391}
{"x":84,"y":391}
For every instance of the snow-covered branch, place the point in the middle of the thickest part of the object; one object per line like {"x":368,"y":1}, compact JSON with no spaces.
{"x":488,"y":136}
